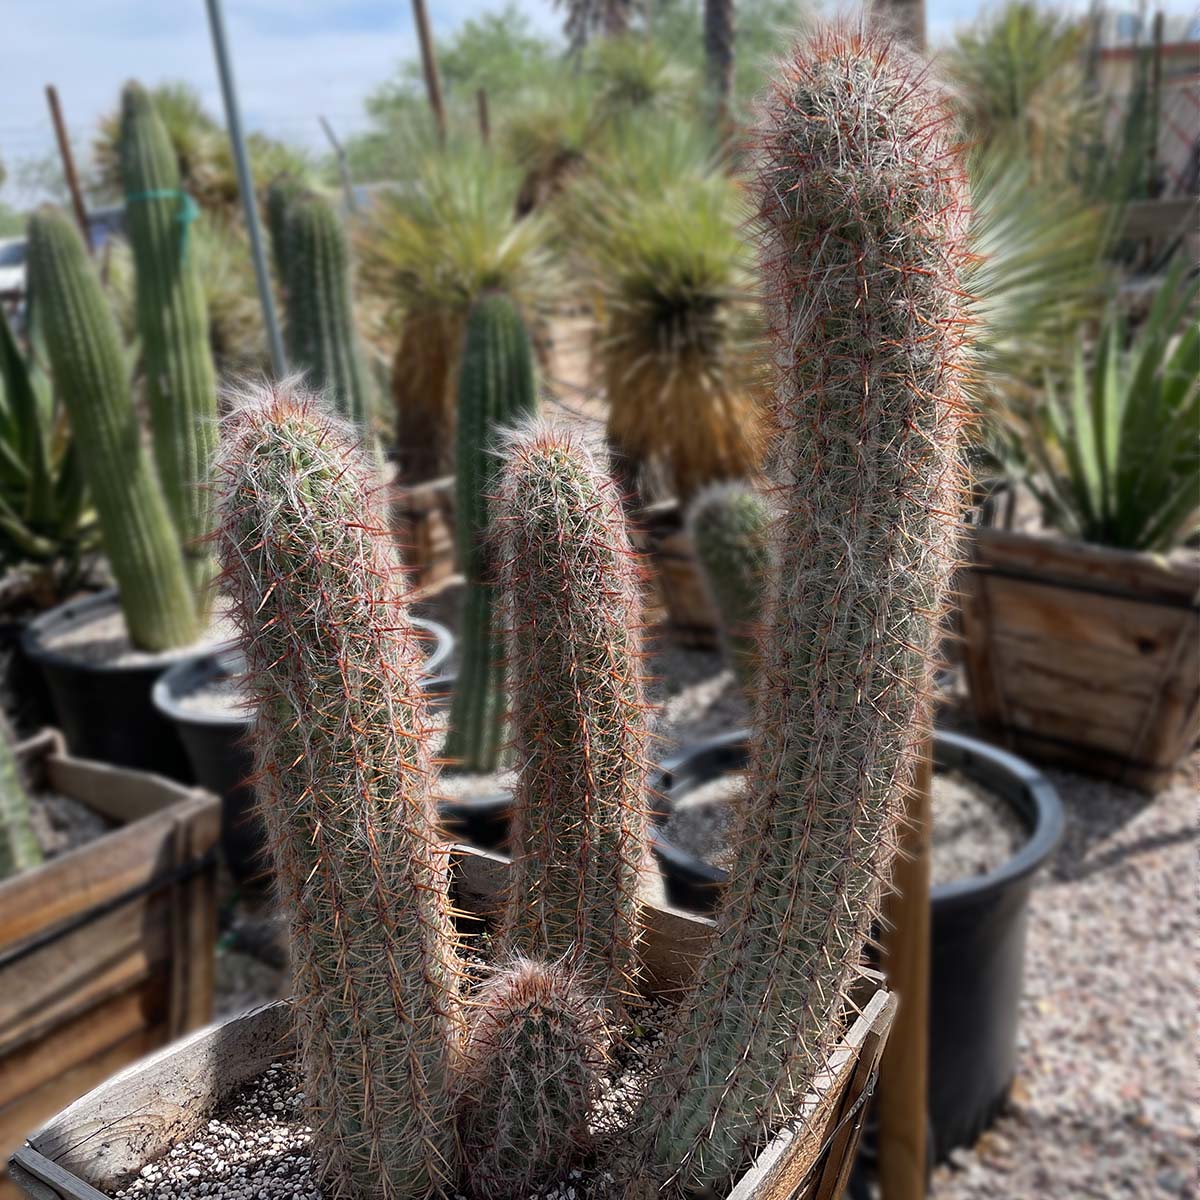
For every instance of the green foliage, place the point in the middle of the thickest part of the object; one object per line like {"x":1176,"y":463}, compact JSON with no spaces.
{"x":1113,"y":452}
{"x":45,"y":518}
{"x":495,"y":389}
{"x":19,"y":847}
{"x":84,"y":352}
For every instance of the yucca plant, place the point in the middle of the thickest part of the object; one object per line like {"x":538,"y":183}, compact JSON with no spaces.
{"x":46,"y":521}
{"x":635,"y":76}
{"x":550,"y":137}
{"x":1113,"y":452}
{"x":428,"y":250}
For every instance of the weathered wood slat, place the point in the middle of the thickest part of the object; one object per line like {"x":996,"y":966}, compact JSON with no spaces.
{"x":658,"y":533}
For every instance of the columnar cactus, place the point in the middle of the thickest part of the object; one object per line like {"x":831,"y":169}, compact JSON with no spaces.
{"x":862,"y":211}
{"x":342,"y":750}
{"x":530,"y":1074}
{"x":281,"y":191}
{"x":730,"y":527}
{"x":320,"y":318}
{"x":578,"y":826}
{"x":19,"y":848}
{"x":84,"y":349}
{"x":495,"y":389}
{"x":172,"y":322}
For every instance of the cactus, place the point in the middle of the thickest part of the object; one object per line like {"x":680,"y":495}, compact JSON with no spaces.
{"x":84,"y":351}
{"x":496,"y":388}
{"x":862,"y":213}
{"x":530,"y":1074}
{"x":19,"y":848}
{"x":172,"y":322}
{"x":320,"y":320}
{"x":281,"y":191}
{"x":578,"y":828}
{"x":729,"y":524}
{"x":342,"y":751}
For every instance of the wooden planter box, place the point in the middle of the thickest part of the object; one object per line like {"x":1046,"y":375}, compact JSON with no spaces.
{"x":660,"y":535}
{"x":423,"y":517}
{"x":90,"y":1148}
{"x":106,"y":952}
{"x":1084,"y":656}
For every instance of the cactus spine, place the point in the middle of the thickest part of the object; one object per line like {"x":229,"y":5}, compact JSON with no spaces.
{"x":342,"y":751}
{"x":320,"y":319}
{"x":495,"y":389}
{"x":862,"y":212}
{"x":578,"y":827}
{"x":530,"y":1073}
{"x":19,"y":848}
{"x":172,"y":323}
{"x":730,"y":527}
{"x":84,"y":350}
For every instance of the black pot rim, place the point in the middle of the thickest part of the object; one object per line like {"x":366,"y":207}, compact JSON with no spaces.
{"x":1022,"y":785}
{"x":72,"y":612}
{"x":183,"y":677}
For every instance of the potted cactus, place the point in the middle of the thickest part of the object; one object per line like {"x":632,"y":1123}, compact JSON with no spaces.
{"x":101,"y":655}
{"x":417,"y":1074}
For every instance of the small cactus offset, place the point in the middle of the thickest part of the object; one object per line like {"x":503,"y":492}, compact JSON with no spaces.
{"x":495,"y":389}
{"x":530,"y":1074}
{"x":578,"y":829}
{"x":730,"y":526}
{"x":342,"y":751}
{"x":19,"y":847}
{"x":84,"y":350}
{"x":172,"y":322}
{"x":320,"y":318}
{"x":862,"y":210}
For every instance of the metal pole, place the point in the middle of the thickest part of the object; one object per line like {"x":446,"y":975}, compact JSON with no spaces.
{"x":68,"y":163}
{"x":233,"y":120}
{"x":343,"y":169}
{"x":433,"y":85}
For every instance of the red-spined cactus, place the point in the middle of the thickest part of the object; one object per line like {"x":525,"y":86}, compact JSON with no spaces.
{"x":531,"y":1072}
{"x":571,"y":584}
{"x":345,"y":788}
{"x":862,"y":211}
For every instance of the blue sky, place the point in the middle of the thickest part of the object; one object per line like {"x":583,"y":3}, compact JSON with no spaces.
{"x":294,"y":59}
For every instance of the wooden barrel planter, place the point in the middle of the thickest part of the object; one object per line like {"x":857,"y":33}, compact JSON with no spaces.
{"x":423,"y":518}
{"x":659,"y":533}
{"x":92,"y":1147}
{"x":106,"y":952}
{"x":1084,"y":656}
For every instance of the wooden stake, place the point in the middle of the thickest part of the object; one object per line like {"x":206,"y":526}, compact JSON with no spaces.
{"x":485,"y":120}
{"x":903,"y":1075}
{"x":68,"y":164}
{"x":433,"y":85}
{"x":343,"y":169}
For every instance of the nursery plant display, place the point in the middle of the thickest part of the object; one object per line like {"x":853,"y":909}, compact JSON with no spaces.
{"x":495,"y":389}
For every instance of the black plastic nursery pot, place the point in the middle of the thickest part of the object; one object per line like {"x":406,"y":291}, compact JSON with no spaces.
{"x":978,"y":924}
{"x":104,"y":709}
{"x":22,"y":682}
{"x":219,"y":754}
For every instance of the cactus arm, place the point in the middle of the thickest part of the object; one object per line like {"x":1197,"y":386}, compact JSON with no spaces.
{"x":84,"y":350}
{"x":19,"y":847}
{"x":172,"y":323}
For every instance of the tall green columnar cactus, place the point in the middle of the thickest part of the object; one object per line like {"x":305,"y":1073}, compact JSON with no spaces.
{"x":730,"y":526}
{"x":570,"y":583}
{"x":19,"y":848}
{"x":281,"y":191}
{"x":320,"y":318}
{"x":495,"y":389}
{"x":172,"y":322}
{"x":342,"y":750}
{"x":862,"y":211}
{"x":531,"y":1071}
{"x":84,"y":349}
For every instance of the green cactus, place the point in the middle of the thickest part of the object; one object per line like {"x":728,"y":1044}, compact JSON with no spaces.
{"x":19,"y":848}
{"x":578,"y":829}
{"x":281,"y":191}
{"x":495,"y":389}
{"x":320,"y":319}
{"x":84,"y":351}
{"x":343,"y":755}
{"x":862,"y":212}
{"x":172,"y":323}
{"x":531,"y":1071}
{"x":730,"y":526}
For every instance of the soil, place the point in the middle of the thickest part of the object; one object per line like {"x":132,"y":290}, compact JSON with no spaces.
{"x":104,"y":641}
{"x":62,"y":823}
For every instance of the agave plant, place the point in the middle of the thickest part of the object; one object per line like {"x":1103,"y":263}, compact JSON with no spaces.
{"x":46,"y":523}
{"x":1113,"y":454}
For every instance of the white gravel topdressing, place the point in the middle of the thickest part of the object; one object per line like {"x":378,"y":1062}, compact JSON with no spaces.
{"x":217,"y":698}
{"x":104,"y":641}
